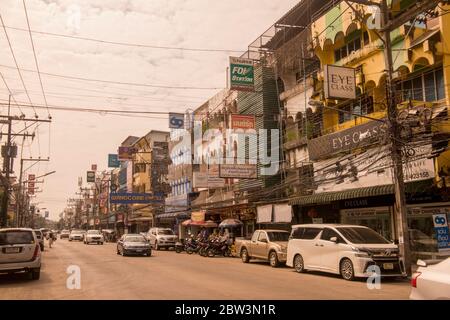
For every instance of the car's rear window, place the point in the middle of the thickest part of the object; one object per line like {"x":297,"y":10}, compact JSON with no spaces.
{"x":16,"y":237}
{"x":278,"y":236}
{"x":305,"y":233}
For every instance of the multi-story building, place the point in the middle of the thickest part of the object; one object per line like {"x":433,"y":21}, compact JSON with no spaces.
{"x":349,"y":146}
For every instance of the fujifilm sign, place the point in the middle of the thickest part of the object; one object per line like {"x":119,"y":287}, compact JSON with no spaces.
{"x":340,"y":82}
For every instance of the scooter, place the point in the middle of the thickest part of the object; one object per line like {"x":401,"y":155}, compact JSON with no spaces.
{"x":218,"y":247}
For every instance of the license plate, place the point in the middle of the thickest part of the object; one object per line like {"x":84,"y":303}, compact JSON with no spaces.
{"x":12,"y":250}
{"x":139,"y":250}
{"x":388,"y":266}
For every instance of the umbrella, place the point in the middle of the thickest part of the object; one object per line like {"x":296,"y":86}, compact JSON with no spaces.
{"x":230,"y":223}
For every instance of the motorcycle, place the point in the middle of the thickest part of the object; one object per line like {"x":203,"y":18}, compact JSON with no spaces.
{"x":219,"y":247}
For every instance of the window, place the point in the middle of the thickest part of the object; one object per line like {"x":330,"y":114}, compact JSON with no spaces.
{"x":278,"y":236}
{"x":366,"y":38}
{"x":16,"y":237}
{"x":428,"y":86}
{"x":354,"y":44}
{"x":361,"y":106}
{"x":361,"y":235}
{"x":262,"y":237}
{"x":297,"y":233}
{"x":328,"y":233}
{"x":311,"y":233}
{"x":255,"y":236}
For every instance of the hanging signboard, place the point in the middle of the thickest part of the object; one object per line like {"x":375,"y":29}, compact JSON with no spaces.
{"x":113,"y":161}
{"x":340,"y":82}
{"x":242,"y":74}
{"x":442,"y":231}
{"x":90,"y":177}
{"x":94,"y":167}
{"x":176,"y":120}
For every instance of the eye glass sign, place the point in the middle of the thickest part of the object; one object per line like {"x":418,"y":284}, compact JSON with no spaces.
{"x":340,"y":82}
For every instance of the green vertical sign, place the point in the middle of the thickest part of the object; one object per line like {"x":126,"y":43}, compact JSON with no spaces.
{"x":242,"y":74}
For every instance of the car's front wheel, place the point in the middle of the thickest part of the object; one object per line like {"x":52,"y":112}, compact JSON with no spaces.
{"x":347,"y":270}
{"x":273,"y":259}
{"x":244,"y":256}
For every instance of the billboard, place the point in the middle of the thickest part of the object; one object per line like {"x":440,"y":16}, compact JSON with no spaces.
{"x":113,"y":161}
{"x":242,"y":74}
{"x":126,"y":153}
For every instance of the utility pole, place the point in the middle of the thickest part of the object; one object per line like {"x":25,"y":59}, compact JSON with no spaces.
{"x":7,"y":169}
{"x":20,"y":192}
{"x":387,"y":26}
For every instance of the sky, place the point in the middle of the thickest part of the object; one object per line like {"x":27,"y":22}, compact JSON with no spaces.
{"x":76,"y":140}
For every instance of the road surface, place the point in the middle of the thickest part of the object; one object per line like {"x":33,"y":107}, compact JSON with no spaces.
{"x":167,"y":275}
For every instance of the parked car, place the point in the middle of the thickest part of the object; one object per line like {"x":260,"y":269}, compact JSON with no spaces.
{"x":20,"y":252}
{"x":64,"y":234}
{"x":268,"y":245}
{"x":431,"y":281}
{"x":93,"y":236}
{"x":161,"y":238}
{"x":40,"y":237}
{"x":77,"y":235}
{"x":133,"y":244}
{"x":347,"y":250}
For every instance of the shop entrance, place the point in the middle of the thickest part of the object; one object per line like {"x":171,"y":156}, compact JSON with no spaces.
{"x":378,"y":219}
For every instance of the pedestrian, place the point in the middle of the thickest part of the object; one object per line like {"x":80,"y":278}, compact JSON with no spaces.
{"x":50,"y":238}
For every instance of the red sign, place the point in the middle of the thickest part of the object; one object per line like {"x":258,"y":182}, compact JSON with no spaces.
{"x":94,"y":167}
{"x":240,"y":121}
{"x":31,"y":177}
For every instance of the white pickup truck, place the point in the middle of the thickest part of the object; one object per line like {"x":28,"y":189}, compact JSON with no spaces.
{"x":268,"y":245}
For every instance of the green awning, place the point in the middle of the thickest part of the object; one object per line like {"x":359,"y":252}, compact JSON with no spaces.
{"x":327,"y":197}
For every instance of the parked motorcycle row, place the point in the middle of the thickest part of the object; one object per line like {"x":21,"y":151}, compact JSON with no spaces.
{"x":206,"y":247}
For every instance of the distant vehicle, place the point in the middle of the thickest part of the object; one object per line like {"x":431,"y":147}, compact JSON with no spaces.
{"x":93,"y":236}
{"x":431,"y":281}
{"x":268,"y":245}
{"x":77,"y":235}
{"x":20,"y":252}
{"x":161,"y":238}
{"x":64,"y":234}
{"x":347,"y":250}
{"x":133,"y":244}
{"x":40,"y":238}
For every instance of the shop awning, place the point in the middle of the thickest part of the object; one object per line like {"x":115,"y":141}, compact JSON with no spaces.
{"x":174,"y":215}
{"x":140,"y":219}
{"x":327,"y":197}
{"x":427,"y":35}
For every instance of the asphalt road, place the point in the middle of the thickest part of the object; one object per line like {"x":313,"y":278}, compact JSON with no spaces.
{"x":168,"y":275}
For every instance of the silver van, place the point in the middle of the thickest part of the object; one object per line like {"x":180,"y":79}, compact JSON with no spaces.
{"x":20,"y":252}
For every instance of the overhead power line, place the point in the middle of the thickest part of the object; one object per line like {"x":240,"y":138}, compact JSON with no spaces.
{"x":128,"y":44}
{"x":117,"y":82}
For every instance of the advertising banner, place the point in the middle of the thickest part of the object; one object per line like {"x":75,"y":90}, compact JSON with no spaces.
{"x":133,"y":198}
{"x":242,"y":74}
{"x":113,"y":161}
{"x":442,"y":231}
{"x":198,"y":216}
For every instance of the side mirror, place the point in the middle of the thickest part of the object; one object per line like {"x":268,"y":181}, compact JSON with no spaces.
{"x":334,"y":239}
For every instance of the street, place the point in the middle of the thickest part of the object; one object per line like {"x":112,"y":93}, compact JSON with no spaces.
{"x":167,"y":275}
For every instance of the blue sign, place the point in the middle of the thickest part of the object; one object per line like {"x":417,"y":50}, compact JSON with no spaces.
{"x":133,"y":198}
{"x":113,"y":161}
{"x":176,"y":120}
{"x":442,"y":231}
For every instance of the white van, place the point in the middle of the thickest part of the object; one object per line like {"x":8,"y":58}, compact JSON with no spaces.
{"x":347,"y":250}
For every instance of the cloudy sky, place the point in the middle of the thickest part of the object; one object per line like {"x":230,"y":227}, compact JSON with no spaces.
{"x":75,"y":140}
